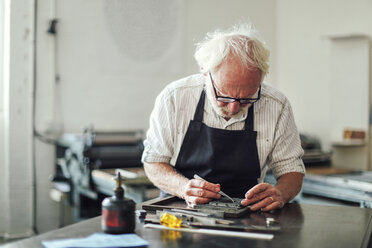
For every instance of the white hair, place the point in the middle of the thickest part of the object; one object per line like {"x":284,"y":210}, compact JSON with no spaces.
{"x":241,"y":41}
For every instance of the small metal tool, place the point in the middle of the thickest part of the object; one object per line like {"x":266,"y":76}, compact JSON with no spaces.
{"x":221,"y":193}
{"x":270,"y":221}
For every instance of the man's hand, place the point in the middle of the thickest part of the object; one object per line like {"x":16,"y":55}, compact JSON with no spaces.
{"x":265,"y":196}
{"x":199,"y":191}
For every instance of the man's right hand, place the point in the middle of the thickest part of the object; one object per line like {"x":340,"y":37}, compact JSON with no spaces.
{"x":198,"y":191}
{"x":194,"y":191}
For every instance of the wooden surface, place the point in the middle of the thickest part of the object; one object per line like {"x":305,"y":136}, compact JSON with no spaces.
{"x":302,"y":226}
{"x":109,"y":174}
{"x":324,"y":171}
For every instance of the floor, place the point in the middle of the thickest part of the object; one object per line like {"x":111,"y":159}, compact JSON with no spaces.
{"x":4,"y":241}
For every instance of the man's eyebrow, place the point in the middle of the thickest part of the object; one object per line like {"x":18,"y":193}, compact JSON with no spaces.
{"x":251,"y":96}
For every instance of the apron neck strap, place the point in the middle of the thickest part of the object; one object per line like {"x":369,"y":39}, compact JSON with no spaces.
{"x":198,"y":116}
{"x":250,"y":119}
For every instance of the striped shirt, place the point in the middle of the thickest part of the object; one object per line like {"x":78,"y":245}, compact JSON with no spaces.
{"x":278,"y":142}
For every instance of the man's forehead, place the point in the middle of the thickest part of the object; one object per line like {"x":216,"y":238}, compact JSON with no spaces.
{"x":248,"y":77}
{"x":238,"y":89}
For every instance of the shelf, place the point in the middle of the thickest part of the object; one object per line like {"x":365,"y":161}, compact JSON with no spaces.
{"x":346,"y":36}
{"x":349,"y":143}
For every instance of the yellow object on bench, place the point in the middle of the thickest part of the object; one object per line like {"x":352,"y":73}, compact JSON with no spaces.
{"x":169,"y":220}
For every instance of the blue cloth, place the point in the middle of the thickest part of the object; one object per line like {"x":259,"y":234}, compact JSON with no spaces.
{"x":98,"y":240}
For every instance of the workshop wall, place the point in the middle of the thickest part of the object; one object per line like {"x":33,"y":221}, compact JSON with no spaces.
{"x":16,"y":141}
{"x":112,"y":58}
{"x":205,"y":16}
{"x":303,"y":62}
{"x":2,"y":129}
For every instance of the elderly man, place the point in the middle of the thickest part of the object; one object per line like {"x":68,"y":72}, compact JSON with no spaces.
{"x":227,"y":126}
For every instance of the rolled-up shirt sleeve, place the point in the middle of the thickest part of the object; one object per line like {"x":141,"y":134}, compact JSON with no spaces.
{"x":286,"y":155}
{"x":159,"y":142}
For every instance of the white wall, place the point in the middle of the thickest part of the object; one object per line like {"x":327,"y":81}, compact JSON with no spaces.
{"x":2,"y":144}
{"x":113,"y":58}
{"x":110,"y":73}
{"x":101,"y":56}
{"x":303,"y":49}
{"x":207,"y":15}
{"x":16,"y":198}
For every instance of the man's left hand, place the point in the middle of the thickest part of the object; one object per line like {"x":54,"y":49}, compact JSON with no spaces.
{"x":265,"y":196}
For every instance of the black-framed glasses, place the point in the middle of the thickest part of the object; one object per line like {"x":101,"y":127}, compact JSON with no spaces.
{"x":227,"y":99}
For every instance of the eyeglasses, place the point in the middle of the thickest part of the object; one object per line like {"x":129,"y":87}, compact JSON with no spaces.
{"x":227,"y":99}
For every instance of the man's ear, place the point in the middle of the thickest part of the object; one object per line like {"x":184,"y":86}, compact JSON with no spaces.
{"x":204,"y":73}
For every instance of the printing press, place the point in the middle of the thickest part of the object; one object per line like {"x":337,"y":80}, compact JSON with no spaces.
{"x":79,"y":156}
{"x":328,"y":185}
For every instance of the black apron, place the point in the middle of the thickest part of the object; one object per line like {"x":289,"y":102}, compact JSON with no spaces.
{"x":227,"y":157}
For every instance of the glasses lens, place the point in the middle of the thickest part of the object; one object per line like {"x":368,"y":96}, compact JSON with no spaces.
{"x":226,"y":100}
{"x":241,"y":101}
{"x":248,"y":101}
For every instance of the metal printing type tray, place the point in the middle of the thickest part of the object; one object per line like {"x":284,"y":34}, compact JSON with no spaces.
{"x":232,"y":210}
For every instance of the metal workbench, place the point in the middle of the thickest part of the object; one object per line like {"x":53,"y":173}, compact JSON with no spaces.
{"x":301,"y":226}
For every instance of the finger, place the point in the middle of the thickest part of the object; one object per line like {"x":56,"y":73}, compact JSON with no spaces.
{"x":257,"y":189}
{"x":245,"y":202}
{"x":273,"y":206}
{"x":255,"y":198}
{"x":260,"y":196}
{"x":199,"y":192}
{"x":262,"y":204}
{"x":252,"y":201}
{"x":205,"y":185}
{"x":193,"y":200}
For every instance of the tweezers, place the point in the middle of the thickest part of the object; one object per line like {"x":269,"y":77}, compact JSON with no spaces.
{"x":221,"y":192}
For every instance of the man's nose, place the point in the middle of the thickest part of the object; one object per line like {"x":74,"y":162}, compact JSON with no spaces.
{"x":234,"y":107}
